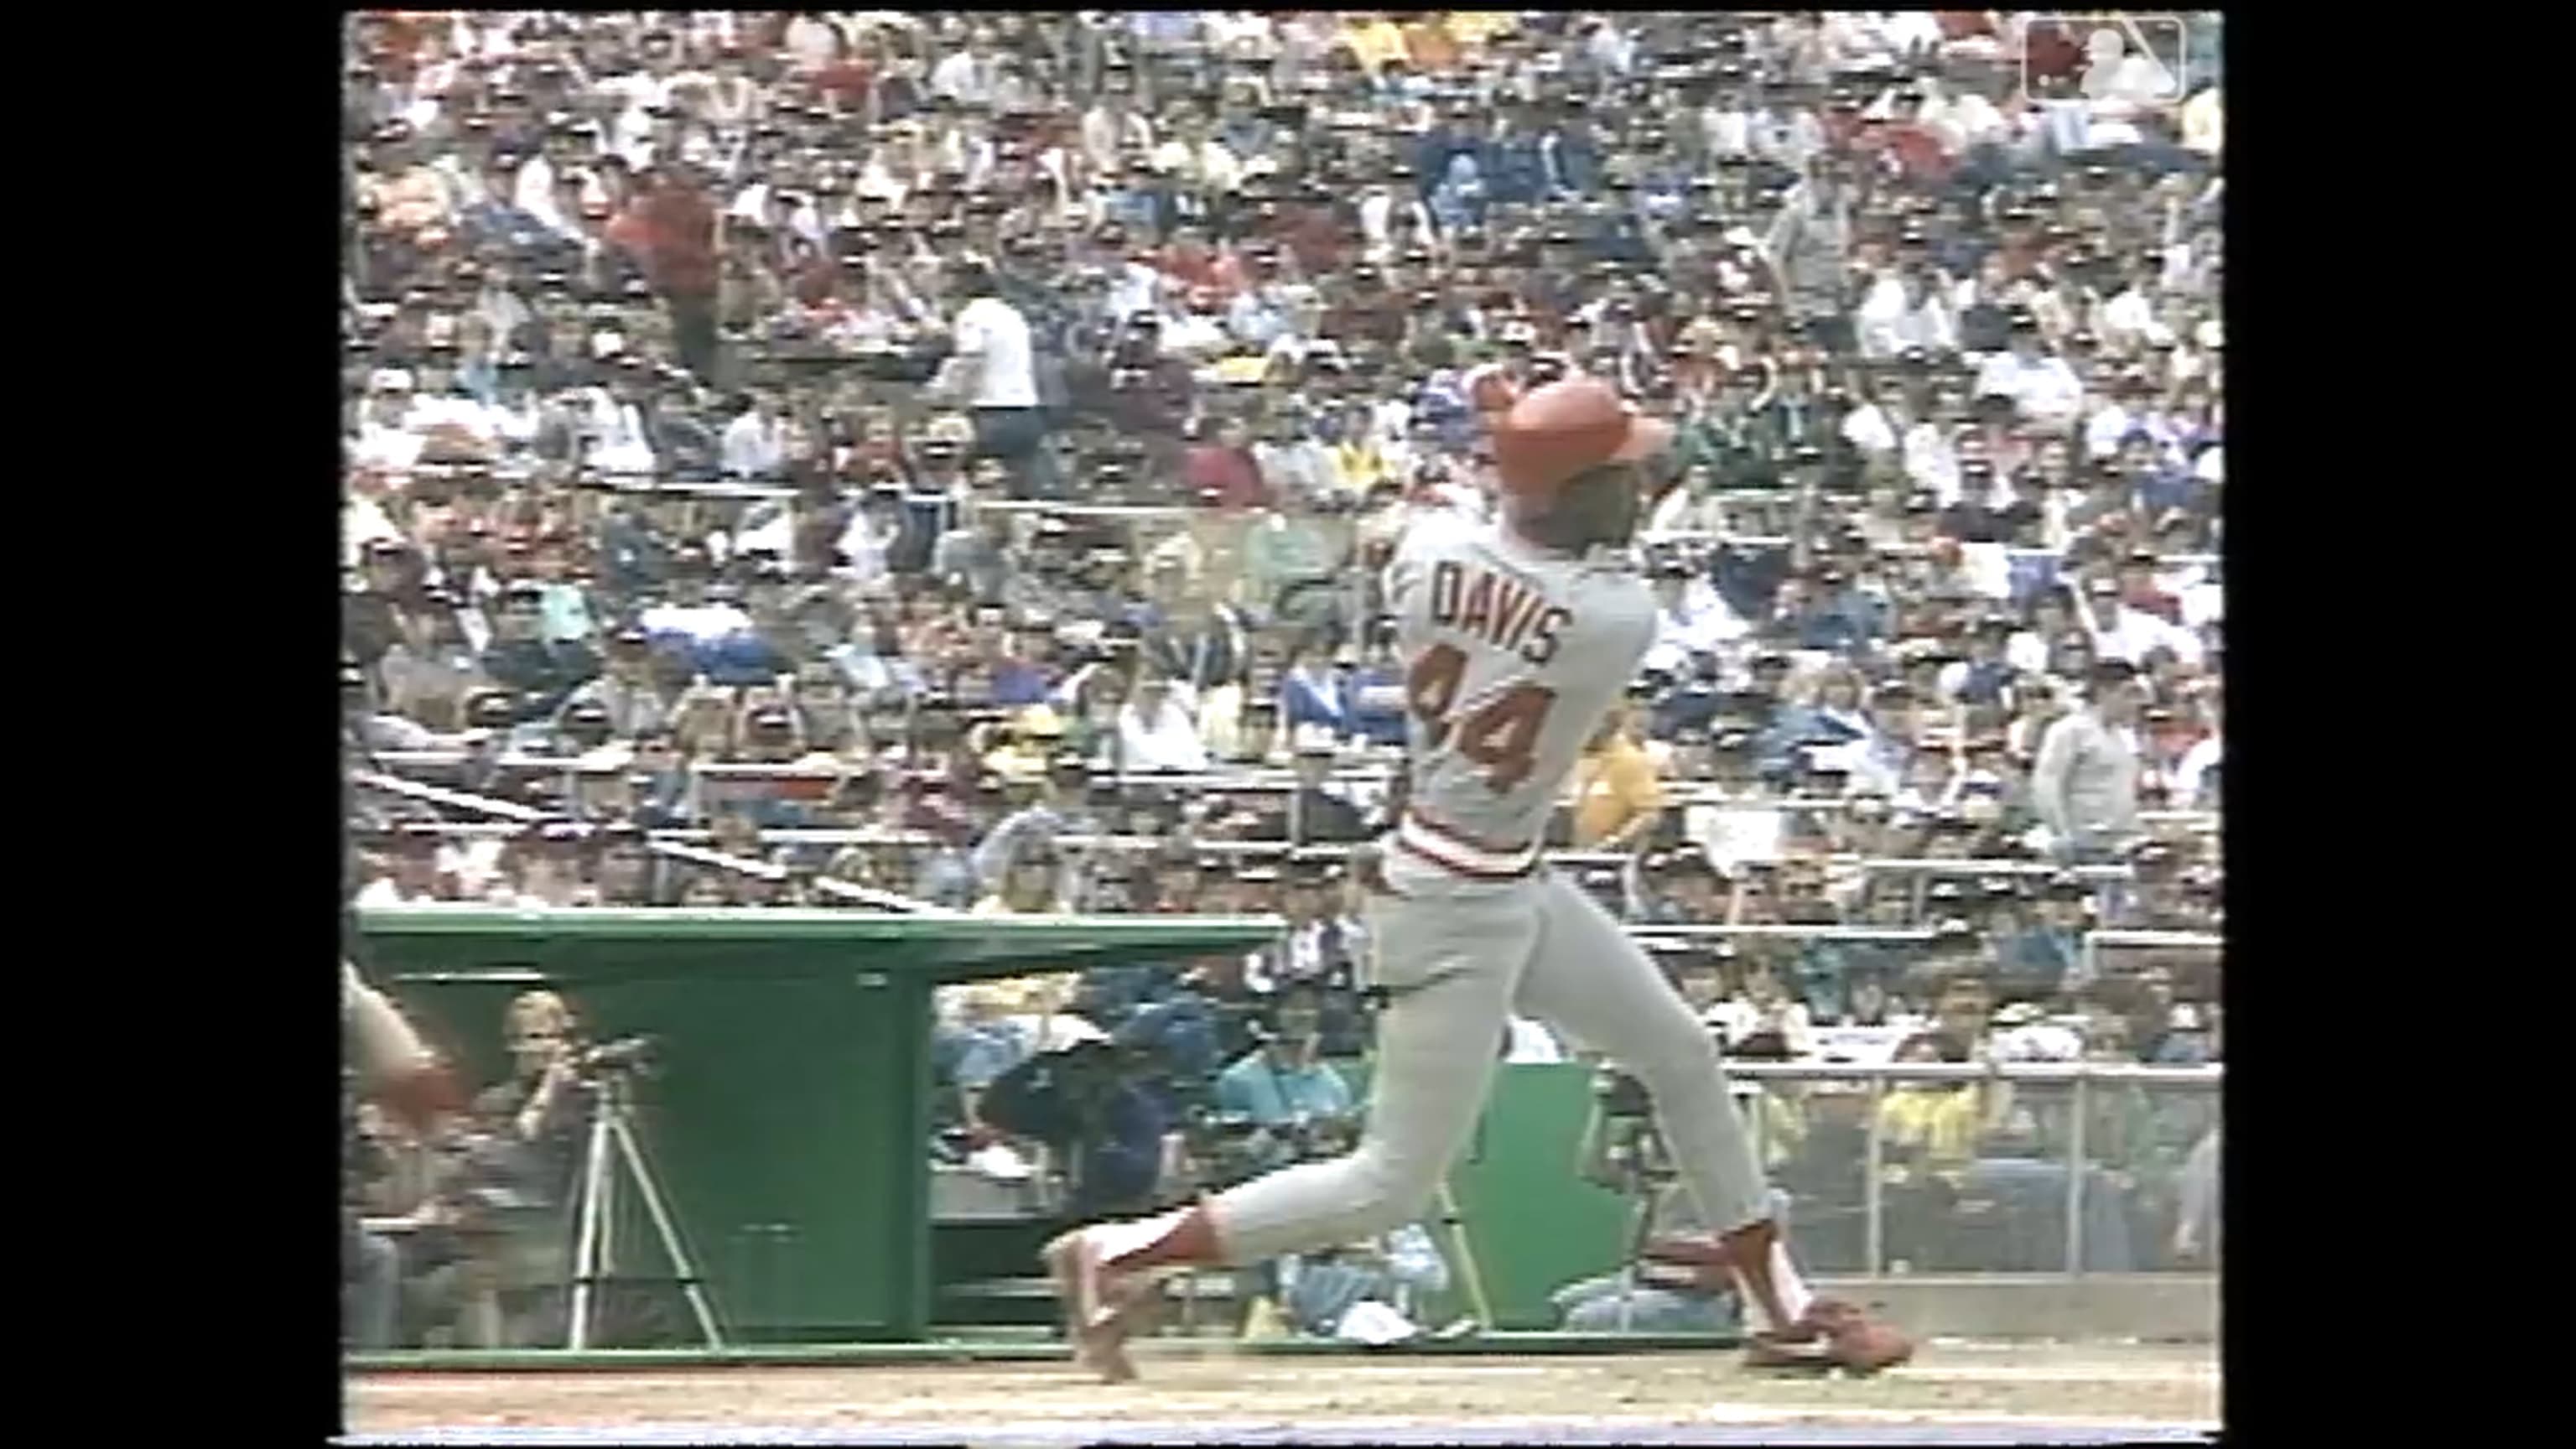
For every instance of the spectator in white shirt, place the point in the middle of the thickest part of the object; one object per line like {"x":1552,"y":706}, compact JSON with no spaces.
{"x":1158,"y":728}
{"x":1878,"y":427}
{"x":755,"y":442}
{"x":1377,"y":220}
{"x":1690,"y":618}
{"x":813,"y":41}
{"x":867,"y":540}
{"x":2127,"y":634}
{"x":1905,"y":308}
{"x":690,"y":614}
{"x":1112,"y":127}
{"x":968,"y":76}
{"x":2128,"y":322}
{"x":2193,"y":775}
{"x":1294,"y":462}
{"x":2043,"y":389}
{"x":2027,"y":651}
{"x":1931,"y":459}
{"x":1761,"y":1006}
{"x":384,"y":441}
{"x":2120,"y":415}
{"x":615,"y":430}
{"x":995,"y":367}
{"x":1197,"y":330}
{"x":2204,"y":122}
{"x":1728,"y":126}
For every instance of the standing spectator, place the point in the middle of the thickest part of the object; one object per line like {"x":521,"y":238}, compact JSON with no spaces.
{"x":1809,"y":249}
{"x":968,"y":76}
{"x":2085,"y":784}
{"x":671,"y":228}
{"x":994,"y":371}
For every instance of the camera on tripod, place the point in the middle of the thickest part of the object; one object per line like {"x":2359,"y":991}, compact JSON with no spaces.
{"x":1619,"y":1096}
{"x":1231,"y":1147}
{"x":1623,"y":1151}
{"x":631,"y":1056}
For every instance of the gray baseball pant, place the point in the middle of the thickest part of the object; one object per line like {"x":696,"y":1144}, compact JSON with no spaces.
{"x":1454,"y":965}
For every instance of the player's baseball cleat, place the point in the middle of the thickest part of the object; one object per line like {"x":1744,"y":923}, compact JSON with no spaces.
{"x":1831,"y":1335}
{"x":1102,"y":1308}
{"x":1098,"y":1338}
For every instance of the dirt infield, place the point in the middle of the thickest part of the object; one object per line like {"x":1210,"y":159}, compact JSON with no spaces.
{"x":1187,"y":1384}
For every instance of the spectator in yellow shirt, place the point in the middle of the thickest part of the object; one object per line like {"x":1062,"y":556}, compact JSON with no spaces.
{"x":1929,"y":1129}
{"x":1374,"y":38}
{"x":1617,"y":795}
{"x":1430,"y":45}
{"x":1475,"y":27}
{"x":1362,"y":465}
{"x":2204,"y":122}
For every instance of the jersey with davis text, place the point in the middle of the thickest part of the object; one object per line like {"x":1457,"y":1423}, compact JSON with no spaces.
{"x":1513,"y":657}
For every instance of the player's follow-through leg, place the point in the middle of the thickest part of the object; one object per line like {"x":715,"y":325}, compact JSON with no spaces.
{"x":1588,"y":976}
{"x":1449,"y":966}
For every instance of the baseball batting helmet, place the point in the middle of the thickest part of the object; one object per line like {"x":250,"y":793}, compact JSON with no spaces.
{"x":1554,"y":433}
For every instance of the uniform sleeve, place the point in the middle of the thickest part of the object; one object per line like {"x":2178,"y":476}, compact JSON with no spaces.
{"x":1412,"y":562}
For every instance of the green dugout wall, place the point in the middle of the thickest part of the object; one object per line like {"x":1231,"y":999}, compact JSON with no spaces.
{"x":789,"y":1108}
{"x":790,"y":1101}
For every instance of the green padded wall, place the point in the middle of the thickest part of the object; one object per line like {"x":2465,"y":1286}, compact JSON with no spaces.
{"x":787,"y":1115}
{"x":1532,"y":1221}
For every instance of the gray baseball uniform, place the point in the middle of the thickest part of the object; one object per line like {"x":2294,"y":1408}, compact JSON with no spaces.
{"x":1514,"y":658}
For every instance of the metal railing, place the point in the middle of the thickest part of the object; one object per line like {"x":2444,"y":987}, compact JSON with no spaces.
{"x":1746,"y":1079}
{"x":1251,"y":780}
{"x":517,"y":819}
{"x":2090,"y":964}
{"x":519,"y":824}
{"x":1899,"y":549}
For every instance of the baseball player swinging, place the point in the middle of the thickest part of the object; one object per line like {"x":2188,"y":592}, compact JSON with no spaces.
{"x":1518,"y":637}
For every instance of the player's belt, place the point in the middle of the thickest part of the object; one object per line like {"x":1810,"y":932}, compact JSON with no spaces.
{"x":1459,"y":853}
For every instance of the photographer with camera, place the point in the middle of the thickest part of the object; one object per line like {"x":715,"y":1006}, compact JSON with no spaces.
{"x":522,"y":1172}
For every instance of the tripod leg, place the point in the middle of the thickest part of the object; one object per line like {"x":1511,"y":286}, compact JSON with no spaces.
{"x":1640,"y":1232}
{"x":669,"y":1231}
{"x":585,"y":1255}
{"x":1466,"y":1252}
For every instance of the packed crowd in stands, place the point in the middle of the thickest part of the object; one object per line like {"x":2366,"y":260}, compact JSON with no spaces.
{"x":888,"y":461}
